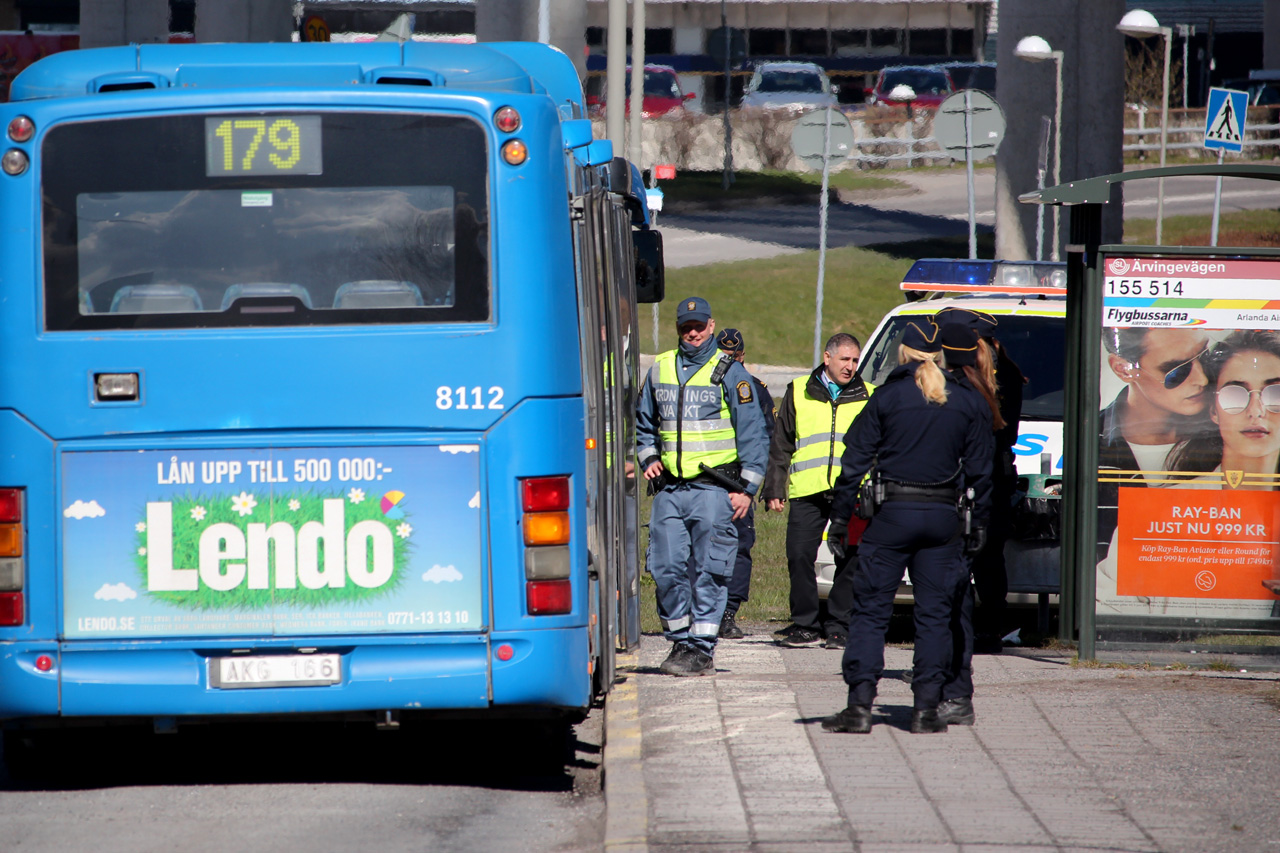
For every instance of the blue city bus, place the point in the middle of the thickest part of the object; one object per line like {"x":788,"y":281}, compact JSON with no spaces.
{"x":317,"y":378}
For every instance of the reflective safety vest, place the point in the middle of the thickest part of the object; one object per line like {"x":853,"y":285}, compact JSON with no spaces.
{"x":694,"y":419}
{"x":820,"y":429}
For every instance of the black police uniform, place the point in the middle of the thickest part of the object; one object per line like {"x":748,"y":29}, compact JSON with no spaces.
{"x":912,"y":441}
{"x":732,"y":341}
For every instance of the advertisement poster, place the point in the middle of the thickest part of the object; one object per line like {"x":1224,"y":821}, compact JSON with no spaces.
{"x":284,"y":541}
{"x":1189,"y":439}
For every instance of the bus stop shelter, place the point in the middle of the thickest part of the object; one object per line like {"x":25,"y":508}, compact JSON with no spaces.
{"x":1171,"y":472}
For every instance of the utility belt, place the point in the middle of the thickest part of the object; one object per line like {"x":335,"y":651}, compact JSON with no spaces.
{"x":731,"y":471}
{"x":876,"y":491}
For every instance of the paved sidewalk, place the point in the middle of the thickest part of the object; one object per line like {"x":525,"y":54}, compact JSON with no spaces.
{"x":1061,"y":758}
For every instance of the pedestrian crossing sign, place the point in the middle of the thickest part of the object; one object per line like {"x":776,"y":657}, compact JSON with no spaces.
{"x":1224,"y":120}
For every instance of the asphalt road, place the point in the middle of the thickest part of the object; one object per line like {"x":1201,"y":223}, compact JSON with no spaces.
{"x":936,"y":205}
{"x":449,"y":787}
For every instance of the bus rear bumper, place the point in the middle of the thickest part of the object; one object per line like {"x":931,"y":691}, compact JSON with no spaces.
{"x":428,"y":674}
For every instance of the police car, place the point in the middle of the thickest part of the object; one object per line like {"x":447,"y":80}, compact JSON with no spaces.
{"x":1028,"y":300}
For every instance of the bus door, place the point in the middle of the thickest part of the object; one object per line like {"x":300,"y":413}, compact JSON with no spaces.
{"x":625,"y":392}
{"x":589,"y":255}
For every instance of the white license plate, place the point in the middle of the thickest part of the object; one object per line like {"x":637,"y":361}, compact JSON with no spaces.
{"x":275,"y":671}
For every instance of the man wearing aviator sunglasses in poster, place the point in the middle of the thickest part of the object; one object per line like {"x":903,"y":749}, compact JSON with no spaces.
{"x":1189,"y":445}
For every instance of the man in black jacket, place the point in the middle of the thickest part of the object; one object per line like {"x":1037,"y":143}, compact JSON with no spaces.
{"x":804,"y":462}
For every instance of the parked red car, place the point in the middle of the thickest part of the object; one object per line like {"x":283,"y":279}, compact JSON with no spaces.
{"x":931,"y":85}
{"x":662,"y":93}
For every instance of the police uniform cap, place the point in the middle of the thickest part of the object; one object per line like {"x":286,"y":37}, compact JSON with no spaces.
{"x":731,"y":340}
{"x":693,"y":308}
{"x":922,"y":335}
{"x":980,"y":321}
{"x":959,"y":344}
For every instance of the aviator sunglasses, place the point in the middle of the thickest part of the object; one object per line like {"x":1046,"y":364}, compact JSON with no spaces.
{"x":1179,"y":374}
{"x":1234,"y":399}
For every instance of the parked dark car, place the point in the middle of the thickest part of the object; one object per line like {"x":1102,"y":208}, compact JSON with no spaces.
{"x":930,"y":83}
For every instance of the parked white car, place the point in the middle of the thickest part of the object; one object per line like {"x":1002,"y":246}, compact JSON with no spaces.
{"x":797,"y":86}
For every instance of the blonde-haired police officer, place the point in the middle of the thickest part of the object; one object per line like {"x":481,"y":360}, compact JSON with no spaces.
{"x":699,"y":429}
{"x":804,"y":461}
{"x":929,"y":438}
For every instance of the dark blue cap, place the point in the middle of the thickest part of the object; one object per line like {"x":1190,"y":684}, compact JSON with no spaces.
{"x":731,"y":340}
{"x":980,"y":321}
{"x":959,"y":344}
{"x":693,"y":308}
{"x":922,"y":335}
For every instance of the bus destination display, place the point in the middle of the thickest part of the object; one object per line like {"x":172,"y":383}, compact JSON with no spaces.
{"x":262,"y":145}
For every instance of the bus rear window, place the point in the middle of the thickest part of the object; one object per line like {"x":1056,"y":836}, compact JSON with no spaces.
{"x":386,"y":221}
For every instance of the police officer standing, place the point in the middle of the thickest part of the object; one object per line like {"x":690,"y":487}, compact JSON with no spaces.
{"x":804,"y":461}
{"x":930,"y":440}
{"x":990,"y":577}
{"x":731,"y":341}
{"x":702,"y":444}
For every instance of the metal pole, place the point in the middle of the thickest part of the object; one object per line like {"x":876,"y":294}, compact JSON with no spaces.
{"x":615,"y":69}
{"x":1057,"y":156}
{"x":635,"y":150}
{"x":1042,"y":165}
{"x":1217,"y":202}
{"x":1167,"y":34}
{"x":968,"y":172}
{"x":822,"y":236}
{"x":727,"y":177}
{"x":544,"y":21}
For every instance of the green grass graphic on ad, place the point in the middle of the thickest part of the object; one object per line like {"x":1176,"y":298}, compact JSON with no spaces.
{"x":250,"y":552}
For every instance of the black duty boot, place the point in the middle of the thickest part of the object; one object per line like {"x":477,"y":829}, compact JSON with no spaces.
{"x":956,"y":712}
{"x":729,"y":629}
{"x":693,"y":662}
{"x":925,"y":721}
{"x":856,"y":719}
{"x":675,"y":660}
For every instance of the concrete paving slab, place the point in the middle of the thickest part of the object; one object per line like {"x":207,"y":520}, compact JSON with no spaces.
{"x":1060,"y":758}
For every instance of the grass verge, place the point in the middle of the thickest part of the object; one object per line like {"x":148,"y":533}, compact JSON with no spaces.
{"x":1237,"y":228}
{"x":708,"y":187}
{"x":772,"y":300}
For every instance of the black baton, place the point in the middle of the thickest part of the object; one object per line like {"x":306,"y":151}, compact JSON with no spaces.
{"x":726,"y":481}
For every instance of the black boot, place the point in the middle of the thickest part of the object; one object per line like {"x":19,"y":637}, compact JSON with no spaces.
{"x":925,"y":721}
{"x":729,"y":629}
{"x":956,"y":712}
{"x":856,"y":719}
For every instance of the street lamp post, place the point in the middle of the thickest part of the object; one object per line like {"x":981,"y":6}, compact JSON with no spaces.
{"x":1140,"y":23}
{"x":1036,"y":49}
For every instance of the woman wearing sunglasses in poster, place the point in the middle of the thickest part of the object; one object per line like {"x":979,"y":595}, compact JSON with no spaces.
{"x":1243,"y":372}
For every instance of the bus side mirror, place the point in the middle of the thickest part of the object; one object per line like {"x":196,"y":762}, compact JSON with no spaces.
{"x":650,"y":272}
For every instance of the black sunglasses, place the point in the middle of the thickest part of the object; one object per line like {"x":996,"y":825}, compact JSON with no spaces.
{"x":1179,"y":374}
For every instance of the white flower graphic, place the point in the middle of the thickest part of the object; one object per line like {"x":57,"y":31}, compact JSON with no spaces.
{"x":198,"y":513}
{"x":140,"y":526}
{"x":355,"y":495}
{"x":295,"y":505}
{"x":142,"y":552}
{"x":243,"y":504}
{"x":404,"y":529}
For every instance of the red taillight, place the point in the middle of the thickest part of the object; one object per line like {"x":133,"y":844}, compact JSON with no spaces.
{"x":504,"y":652}
{"x":10,"y":505}
{"x":10,"y":608}
{"x":44,"y":663}
{"x":507,"y":120}
{"x":544,"y":494}
{"x":546,"y":598}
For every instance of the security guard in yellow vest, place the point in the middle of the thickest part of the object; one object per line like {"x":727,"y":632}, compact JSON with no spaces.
{"x":699,"y":431}
{"x":804,"y":461}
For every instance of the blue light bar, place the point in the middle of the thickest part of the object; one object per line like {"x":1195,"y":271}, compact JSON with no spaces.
{"x":945,"y":271}
{"x":942,"y":275}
